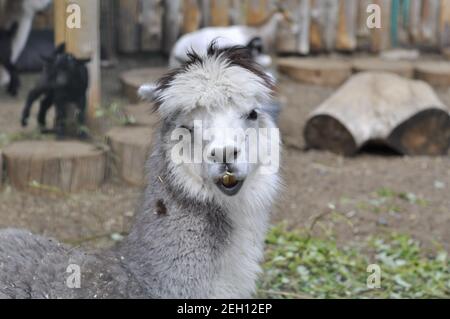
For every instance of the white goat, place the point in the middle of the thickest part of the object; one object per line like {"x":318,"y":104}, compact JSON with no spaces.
{"x":198,"y":41}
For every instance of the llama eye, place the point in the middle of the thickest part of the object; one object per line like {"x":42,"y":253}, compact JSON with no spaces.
{"x":252,"y":116}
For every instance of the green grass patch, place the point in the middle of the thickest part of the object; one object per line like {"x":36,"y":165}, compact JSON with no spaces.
{"x":299,"y":266}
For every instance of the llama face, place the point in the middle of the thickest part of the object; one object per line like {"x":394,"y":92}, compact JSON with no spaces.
{"x":223,"y":148}
{"x":216,"y":120}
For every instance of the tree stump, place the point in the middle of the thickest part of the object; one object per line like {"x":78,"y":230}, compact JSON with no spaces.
{"x":130,"y":147}
{"x":404,"y":114}
{"x":55,"y":166}
{"x":132,"y":80}
{"x":436,"y":73}
{"x":402,"y":68}
{"x":141,"y":114}
{"x":318,"y":71}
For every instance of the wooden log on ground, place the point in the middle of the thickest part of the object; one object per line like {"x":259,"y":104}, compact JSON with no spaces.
{"x":318,"y":71}
{"x":406,"y":115}
{"x":141,"y":114}
{"x":132,"y":80}
{"x":130,"y":146}
{"x":402,"y":68}
{"x":55,"y":166}
{"x":436,"y":73}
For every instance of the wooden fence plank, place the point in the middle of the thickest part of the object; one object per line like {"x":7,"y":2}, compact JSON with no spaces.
{"x":151,"y":25}
{"x":287,"y":41}
{"x":430,"y":18}
{"x":219,"y":10}
{"x":414,"y":20}
{"x":128,"y":27}
{"x":346,"y":34}
{"x":380,"y":38}
{"x":444,"y":24}
{"x":256,"y":11}
{"x":172,"y":24}
{"x":323,"y":24}
{"x":191,"y":16}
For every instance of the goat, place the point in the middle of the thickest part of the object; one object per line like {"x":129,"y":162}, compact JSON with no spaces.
{"x":227,"y":37}
{"x":64,"y":80}
{"x":199,"y":229}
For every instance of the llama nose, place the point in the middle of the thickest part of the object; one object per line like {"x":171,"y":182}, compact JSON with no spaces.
{"x":227,"y":154}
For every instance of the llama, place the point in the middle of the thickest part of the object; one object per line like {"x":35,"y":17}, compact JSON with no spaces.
{"x":23,"y":12}
{"x":199,"y":229}
{"x":227,"y":37}
{"x":6,"y":40}
{"x":64,"y":80}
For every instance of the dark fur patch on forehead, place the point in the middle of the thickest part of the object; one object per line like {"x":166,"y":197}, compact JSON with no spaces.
{"x":239,"y":56}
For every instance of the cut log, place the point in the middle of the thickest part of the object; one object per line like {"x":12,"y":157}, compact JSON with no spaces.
{"x":436,"y":73}
{"x":402,"y":68}
{"x":319,"y":71}
{"x":405,"y":115}
{"x":142,"y":114}
{"x":132,"y":80}
{"x":55,"y":166}
{"x":130,"y":146}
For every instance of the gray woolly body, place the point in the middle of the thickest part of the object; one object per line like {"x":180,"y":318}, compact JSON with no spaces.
{"x":166,"y":255}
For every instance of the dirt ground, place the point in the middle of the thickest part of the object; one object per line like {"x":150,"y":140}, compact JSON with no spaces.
{"x":348,"y":198}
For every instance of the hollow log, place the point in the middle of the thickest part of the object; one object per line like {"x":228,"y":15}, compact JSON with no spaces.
{"x":132,"y":80}
{"x":130,"y":146}
{"x":318,"y":71}
{"x":405,"y":115}
{"x":55,"y":166}
{"x":436,"y":73}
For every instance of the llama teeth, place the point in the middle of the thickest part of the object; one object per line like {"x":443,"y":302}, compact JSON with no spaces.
{"x":229,"y":180}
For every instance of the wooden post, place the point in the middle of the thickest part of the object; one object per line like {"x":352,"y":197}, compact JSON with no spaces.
{"x":83,"y":42}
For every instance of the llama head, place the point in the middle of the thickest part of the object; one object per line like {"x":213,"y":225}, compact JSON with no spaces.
{"x":216,"y":123}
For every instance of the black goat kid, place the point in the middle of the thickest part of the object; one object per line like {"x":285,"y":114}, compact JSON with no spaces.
{"x":64,"y":81}
{"x":6,"y":39}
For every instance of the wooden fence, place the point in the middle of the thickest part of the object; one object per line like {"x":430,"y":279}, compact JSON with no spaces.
{"x":130,"y":26}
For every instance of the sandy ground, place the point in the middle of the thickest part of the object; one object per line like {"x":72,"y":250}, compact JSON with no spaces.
{"x":349,"y":198}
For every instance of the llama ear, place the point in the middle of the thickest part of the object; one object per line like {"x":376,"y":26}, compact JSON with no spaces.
{"x":148,"y":92}
{"x":13,"y":29}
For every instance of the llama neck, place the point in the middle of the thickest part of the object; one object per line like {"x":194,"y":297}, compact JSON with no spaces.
{"x":193,"y":249}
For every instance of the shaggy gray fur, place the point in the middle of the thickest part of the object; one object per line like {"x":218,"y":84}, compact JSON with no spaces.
{"x":166,"y":255}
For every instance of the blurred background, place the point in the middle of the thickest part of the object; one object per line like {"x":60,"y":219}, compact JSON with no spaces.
{"x":349,"y":201}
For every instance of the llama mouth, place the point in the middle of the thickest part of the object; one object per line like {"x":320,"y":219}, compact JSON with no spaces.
{"x":229,"y":184}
